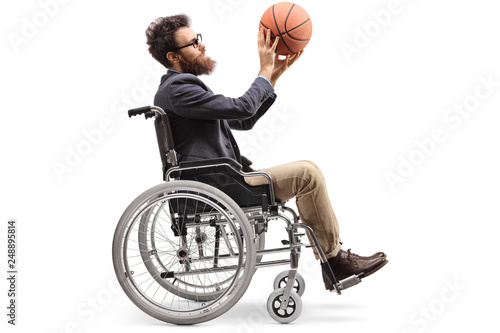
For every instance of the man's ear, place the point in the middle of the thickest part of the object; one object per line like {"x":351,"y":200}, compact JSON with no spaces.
{"x":173,"y":57}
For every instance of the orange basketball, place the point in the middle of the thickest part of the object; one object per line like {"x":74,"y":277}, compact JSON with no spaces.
{"x":291,"y":23}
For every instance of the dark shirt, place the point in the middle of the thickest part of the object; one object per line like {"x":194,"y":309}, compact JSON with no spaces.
{"x":201,"y":121}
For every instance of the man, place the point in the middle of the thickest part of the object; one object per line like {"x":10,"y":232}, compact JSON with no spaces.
{"x":201,"y":123}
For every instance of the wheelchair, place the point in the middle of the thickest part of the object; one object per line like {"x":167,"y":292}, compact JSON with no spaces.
{"x":185,"y":251}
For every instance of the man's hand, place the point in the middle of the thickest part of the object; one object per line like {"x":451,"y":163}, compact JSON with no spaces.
{"x":280,"y":66}
{"x":266,"y":53}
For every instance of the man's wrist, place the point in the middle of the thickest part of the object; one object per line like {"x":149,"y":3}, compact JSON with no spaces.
{"x":265,"y":78}
{"x":267,"y":72}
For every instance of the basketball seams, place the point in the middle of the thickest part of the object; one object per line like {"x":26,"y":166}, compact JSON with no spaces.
{"x":287,"y":16}
{"x":288,"y":31}
{"x":279,"y":32}
{"x":276,"y":23}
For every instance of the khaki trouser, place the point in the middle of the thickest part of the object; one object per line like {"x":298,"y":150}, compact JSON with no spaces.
{"x":304,"y":181}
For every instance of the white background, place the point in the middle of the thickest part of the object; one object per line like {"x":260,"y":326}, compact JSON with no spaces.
{"x":86,"y":63}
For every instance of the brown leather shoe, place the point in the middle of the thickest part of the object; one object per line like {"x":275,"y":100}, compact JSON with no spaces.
{"x":357,"y":256}
{"x":347,"y":265}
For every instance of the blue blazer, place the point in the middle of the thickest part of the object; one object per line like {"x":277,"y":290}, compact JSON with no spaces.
{"x":201,"y":121}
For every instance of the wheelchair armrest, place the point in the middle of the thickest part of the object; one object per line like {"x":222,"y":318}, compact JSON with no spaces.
{"x":214,"y":161}
{"x":245,"y":161}
{"x":246,"y":164}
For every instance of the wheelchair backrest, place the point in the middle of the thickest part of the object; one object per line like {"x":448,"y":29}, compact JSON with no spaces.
{"x":165,"y":143}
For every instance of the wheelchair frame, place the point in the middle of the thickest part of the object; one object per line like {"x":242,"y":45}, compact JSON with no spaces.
{"x":186,"y":268}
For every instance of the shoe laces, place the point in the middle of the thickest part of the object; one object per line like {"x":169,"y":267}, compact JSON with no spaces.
{"x":352,"y":258}
{"x":349,"y":253}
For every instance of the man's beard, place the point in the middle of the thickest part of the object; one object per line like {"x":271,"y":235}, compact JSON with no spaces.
{"x":199,"y":66}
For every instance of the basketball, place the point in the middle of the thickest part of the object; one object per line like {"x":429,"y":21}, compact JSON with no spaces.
{"x":291,"y":23}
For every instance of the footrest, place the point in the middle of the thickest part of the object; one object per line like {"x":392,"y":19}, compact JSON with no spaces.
{"x":350,"y":281}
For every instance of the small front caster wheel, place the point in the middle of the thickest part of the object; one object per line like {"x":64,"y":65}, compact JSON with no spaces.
{"x":299,"y":285}
{"x":292,"y":311}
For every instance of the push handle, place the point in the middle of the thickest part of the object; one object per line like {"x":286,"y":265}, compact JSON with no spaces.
{"x":139,"y":111}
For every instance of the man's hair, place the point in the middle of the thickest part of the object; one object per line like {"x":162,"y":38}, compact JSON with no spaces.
{"x":161,"y":36}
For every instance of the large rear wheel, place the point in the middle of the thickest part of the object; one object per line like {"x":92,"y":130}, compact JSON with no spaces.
{"x":184,"y":252}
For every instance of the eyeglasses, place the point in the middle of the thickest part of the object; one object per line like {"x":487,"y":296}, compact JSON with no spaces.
{"x":194,"y":43}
